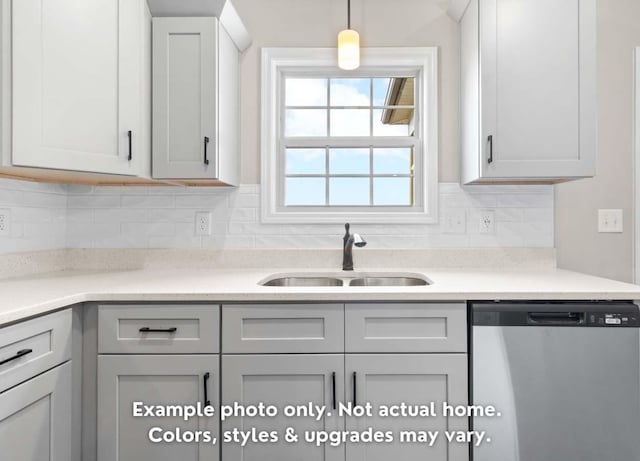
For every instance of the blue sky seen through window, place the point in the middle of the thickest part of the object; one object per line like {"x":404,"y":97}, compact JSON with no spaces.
{"x":346,"y":176}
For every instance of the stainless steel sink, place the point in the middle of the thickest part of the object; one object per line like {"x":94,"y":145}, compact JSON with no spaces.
{"x":304,"y":282}
{"x":387,"y":282}
{"x":371,"y":279}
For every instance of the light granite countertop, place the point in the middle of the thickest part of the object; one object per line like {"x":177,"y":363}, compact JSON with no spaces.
{"x":30,"y":296}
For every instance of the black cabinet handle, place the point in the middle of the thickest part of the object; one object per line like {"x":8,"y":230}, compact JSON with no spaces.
{"x":130,"y":135}
{"x":355,"y":388}
{"x":333,"y":389}
{"x":157,"y":330}
{"x":206,"y":143}
{"x":490,"y":158}
{"x":205,"y":380}
{"x":20,"y":353}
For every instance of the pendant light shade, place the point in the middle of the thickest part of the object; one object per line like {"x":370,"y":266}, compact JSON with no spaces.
{"x":348,"y":49}
{"x":348,"y":45}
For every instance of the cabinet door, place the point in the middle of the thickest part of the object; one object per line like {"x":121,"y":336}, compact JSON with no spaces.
{"x":154,"y":380}
{"x":538,"y":96}
{"x":412,"y":379}
{"x":282,"y":380}
{"x":77,"y":75}
{"x":35,"y":418}
{"x":184,"y":98}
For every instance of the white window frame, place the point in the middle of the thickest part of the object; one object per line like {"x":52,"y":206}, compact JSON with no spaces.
{"x":636,"y":224}
{"x":419,"y":61}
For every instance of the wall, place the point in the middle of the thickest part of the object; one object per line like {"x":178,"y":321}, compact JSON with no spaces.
{"x":164,"y":217}
{"x":48,"y":217}
{"x":579,"y":246}
{"x":37,"y":216}
{"x":316,"y":23}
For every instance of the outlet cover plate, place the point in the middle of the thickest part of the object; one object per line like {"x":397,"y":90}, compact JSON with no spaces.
{"x":610,"y":221}
{"x":203,"y":223}
{"x":5,"y":222}
{"x":487,"y":222}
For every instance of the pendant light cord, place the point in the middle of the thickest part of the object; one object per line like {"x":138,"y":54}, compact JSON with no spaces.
{"x":348,"y":14}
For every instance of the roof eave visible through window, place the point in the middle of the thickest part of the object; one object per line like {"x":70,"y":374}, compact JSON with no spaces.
{"x":400,"y":93}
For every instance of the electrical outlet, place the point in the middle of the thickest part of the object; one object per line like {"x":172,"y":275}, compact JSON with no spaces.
{"x":454,"y":222}
{"x":487,"y":221}
{"x":203,"y":223}
{"x":5,"y":222}
{"x":610,"y":221}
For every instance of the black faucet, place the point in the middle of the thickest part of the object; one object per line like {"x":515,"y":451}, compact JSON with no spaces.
{"x":347,"y":248}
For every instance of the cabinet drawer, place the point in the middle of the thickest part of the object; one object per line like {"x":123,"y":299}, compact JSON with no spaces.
{"x":29,"y":348}
{"x":158,"y":329}
{"x":283,"y":328}
{"x":428,"y":327}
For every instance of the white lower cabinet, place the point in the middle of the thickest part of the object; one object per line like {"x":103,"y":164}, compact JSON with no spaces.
{"x":414,"y":379}
{"x":154,"y":380}
{"x":288,"y":355}
{"x":377,"y":379}
{"x":282,"y":380}
{"x":35,"y":418}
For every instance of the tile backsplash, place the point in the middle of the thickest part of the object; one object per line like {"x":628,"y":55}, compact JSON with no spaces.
{"x":53,"y":216}
{"x":164,"y":217}
{"x":36,"y":216}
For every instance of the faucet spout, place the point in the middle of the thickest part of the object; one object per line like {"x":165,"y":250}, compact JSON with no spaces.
{"x":348,"y":241}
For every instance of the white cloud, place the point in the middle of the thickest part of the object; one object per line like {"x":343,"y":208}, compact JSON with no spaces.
{"x":306,"y":92}
{"x":306,"y":122}
{"x":348,"y":95}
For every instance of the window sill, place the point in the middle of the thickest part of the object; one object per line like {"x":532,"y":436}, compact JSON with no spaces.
{"x":375,"y":217}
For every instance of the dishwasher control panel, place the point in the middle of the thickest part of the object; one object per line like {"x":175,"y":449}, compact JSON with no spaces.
{"x":602,"y":319}
{"x":602,"y":314}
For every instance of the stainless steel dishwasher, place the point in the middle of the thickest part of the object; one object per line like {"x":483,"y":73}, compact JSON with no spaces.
{"x":565,"y":377}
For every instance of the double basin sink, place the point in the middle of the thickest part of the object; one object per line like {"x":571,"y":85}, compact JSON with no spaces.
{"x":351,"y":280}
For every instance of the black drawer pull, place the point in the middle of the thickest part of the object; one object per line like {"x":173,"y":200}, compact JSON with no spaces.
{"x":206,"y":143}
{"x":130,"y":135}
{"x":355,"y":388}
{"x":333,"y":389}
{"x":490,"y":158}
{"x":205,"y":379}
{"x":158,"y":330}
{"x":20,"y":353}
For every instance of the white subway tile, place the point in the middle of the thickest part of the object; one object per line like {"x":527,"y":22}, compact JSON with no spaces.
{"x":147,"y":201}
{"x":93,"y":201}
{"x":119,"y":215}
{"x":244,"y":201}
{"x":148,"y":228}
{"x":525,"y":200}
{"x":204,"y":202}
{"x":161,"y":217}
{"x":509,"y":214}
{"x":172,"y":215}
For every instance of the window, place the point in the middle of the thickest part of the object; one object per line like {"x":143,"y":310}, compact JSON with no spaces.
{"x":357,"y":146}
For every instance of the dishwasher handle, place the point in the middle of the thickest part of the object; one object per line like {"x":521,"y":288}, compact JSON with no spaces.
{"x":556,"y":318}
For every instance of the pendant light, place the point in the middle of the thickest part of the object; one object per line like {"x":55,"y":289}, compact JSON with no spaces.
{"x":348,"y":45}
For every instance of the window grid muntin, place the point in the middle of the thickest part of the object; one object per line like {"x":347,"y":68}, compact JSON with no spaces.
{"x":371,"y":176}
{"x":329,"y":107}
{"x":352,"y":142}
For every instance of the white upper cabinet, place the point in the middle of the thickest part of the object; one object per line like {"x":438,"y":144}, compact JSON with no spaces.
{"x":184,"y":103}
{"x":528,"y":90}
{"x":195,"y":100}
{"x":80,"y":85}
